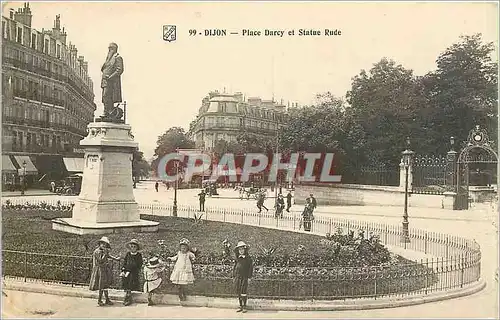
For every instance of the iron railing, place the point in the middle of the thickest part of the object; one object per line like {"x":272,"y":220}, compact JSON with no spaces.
{"x":430,"y":174}
{"x":456,"y":261}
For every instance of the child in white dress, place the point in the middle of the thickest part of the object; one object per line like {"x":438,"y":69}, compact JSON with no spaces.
{"x":153,"y":277}
{"x":182,"y":274}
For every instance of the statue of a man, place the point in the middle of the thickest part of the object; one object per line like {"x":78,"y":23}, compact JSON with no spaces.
{"x":111,"y":86}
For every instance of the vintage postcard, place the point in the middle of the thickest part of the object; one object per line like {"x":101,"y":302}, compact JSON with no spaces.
{"x":249,"y":159}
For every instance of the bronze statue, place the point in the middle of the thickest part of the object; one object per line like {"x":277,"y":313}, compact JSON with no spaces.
{"x":112,"y":70}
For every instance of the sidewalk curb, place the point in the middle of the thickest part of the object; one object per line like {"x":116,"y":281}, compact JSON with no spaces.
{"x":254,"y":304}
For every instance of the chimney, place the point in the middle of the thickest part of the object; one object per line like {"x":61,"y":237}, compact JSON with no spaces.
{"x":57,"y":23}
{"x":23,"y":15}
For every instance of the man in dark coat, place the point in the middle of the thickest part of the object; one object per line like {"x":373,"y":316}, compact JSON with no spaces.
{"x":288,"y":201}
{"x":314,"y":204}
{"x":112,"y":70}
{"x":242,"y":271}
{"x":201,"y":197}
{"x":260,"y":201}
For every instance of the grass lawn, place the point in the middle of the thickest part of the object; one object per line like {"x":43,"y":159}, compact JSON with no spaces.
{"x":32,"y":231}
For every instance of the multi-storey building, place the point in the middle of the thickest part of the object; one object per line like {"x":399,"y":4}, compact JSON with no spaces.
{"x":224,"y":116}
{"x":47,"y":98}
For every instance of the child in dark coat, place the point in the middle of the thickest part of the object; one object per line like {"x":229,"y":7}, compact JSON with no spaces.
{"x":130,"y":271}
{"x":243,"y":269}
{"x":102,"y":274}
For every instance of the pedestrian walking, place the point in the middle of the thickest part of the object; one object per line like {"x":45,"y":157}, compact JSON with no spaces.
{"x":313,"y":205}
{"x":53,"y":187}
{"x":201,"y":197}
{"x":307,"y":215}
{"x":242,"y":272}
{"x":305,"y":212}
{"x":156,"y":186}
{"x":153,"y":272}
{"x":102,"y":273}
{"x":288,"y":201}
{"x":260,"y":202}
{"x":280,"y":205}
{"x":132,"y":266}
{"x":182,"y":274}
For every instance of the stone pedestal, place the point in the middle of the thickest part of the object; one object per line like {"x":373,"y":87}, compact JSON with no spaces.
{"x":106,"y":203}
{"x":449,"y":200}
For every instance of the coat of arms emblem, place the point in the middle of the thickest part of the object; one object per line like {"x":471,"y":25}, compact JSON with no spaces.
{"x":169,"y":33}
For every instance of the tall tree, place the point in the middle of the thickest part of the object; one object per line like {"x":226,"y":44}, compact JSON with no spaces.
{"x":463,"y":90}
{"x":385,"y":105}
{"x":140,"y":167}
{"x":168,"y":142}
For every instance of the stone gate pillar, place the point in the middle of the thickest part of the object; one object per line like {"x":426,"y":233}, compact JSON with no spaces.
{"x":450,"y":195}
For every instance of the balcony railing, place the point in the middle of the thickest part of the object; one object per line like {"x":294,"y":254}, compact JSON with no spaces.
{"x":235,"y":126}
{"x":43,"y":124}
{"x":17,"y":63}
{"x":34,"y":96}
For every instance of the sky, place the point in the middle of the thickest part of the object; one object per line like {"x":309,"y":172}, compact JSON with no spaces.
{"x":164,"y":82}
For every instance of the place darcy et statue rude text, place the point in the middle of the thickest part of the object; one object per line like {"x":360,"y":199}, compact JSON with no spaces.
{"x":112,"y":70}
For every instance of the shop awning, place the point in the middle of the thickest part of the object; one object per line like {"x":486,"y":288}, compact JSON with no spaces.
{"x":51,"y":166}
{"x":30,"y":167}
{"x":7,"y":165}
{"x":73,"y":164}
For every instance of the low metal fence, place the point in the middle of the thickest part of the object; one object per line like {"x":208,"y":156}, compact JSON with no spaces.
{"x":456,"y":261}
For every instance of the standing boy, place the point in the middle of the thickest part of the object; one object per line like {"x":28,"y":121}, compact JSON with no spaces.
{"x":243,"y":269}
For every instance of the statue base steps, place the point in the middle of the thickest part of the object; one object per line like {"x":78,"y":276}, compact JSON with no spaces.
{"x":71,"y":225}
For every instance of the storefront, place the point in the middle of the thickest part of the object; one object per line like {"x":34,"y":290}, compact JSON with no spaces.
{"x":74,"y":165}
{"x":9,"y":172}
{"x":50,"y":168}
{"x":25,"y":170}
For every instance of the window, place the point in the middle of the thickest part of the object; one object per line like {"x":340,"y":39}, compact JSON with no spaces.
{"x":19,"y":36}
{"x":33,"y":40}
{"x":222,"y":107}
{"x":20,"y":139}
{"x":58,"y":51}
{"x":4,"y":30}
{"x":46,"y":46}
{"x":14,"y":140}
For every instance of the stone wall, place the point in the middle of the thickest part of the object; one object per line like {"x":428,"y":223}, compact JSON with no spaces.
{"x":364,"y":195}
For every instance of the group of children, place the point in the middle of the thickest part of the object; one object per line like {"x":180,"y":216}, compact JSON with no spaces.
{"x":182,"y":273}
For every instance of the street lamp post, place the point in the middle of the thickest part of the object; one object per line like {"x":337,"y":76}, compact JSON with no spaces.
{"x":23,"y":186}
{"x":407,"y":154}
{"x":174,"y":209}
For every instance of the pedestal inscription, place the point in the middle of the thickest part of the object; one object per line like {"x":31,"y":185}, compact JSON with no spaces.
{"x":106,"y":202}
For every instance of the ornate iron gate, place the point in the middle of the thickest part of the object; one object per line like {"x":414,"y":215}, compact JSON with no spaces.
{"x":477,"y":155}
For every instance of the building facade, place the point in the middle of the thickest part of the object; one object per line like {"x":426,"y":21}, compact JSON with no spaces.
{"x":224,"y":116}
{"x":47,"y":95}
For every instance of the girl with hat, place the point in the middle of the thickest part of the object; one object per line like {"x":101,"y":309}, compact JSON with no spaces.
{"x":130,"y":271}
{"x":102,"y":274}
{"x":243,"y":270}
{"x":152,"y":277}
{"x":182,"y":274}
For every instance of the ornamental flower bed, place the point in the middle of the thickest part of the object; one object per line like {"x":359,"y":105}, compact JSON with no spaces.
{"x":287,"y":264}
